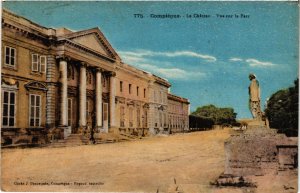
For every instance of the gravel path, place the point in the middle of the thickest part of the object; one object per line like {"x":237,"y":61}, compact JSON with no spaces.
{"x":185,"y":162}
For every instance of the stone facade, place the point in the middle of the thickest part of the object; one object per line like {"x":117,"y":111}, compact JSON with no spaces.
{"x":178,"y":111}
{"x":56,"y":82}
{"x":158,"y":89}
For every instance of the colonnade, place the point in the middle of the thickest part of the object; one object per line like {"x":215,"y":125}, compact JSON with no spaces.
{"x":83,"y":96}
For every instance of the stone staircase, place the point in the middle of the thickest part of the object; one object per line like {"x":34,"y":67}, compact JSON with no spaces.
{"x":72,"y":140}
{"x":112,"y":138}
{"x":128,"y":136}
{"x":100,"y":138}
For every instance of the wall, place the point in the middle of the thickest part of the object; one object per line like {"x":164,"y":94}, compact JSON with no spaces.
{"x":255,"y":154}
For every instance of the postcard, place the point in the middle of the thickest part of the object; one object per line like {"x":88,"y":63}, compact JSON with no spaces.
{"x":158,"y":97}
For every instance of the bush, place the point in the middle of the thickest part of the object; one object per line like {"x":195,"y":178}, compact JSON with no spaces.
{"x":218,"y":116}
{"x":282,"y":110}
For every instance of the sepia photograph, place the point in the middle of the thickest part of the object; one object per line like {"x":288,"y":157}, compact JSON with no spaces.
{"x":149,"y":97}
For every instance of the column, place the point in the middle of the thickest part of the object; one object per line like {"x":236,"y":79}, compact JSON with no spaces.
{"x":98,"y":99}
{"x":82,"y":96}
{"x":112,"y":100}
{"x":51,"y":91}
{"x":63,"y":93}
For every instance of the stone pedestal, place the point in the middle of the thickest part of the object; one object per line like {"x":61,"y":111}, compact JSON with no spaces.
{"x":257,"y":127}
{"x":253,"y":152}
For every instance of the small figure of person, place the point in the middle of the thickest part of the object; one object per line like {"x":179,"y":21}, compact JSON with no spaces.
{"x":254,"y":98}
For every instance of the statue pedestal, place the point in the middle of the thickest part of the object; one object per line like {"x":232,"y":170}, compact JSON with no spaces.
{"x":258,"y":127}
{"x":254,"y":122}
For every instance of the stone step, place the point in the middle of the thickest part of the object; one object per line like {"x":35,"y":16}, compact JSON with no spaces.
{"x":79,"y":139}
{"x":72,"y":140}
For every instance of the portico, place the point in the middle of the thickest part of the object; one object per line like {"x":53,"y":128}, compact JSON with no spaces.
{"x":80,"y":86}
{"x":87,"y":70}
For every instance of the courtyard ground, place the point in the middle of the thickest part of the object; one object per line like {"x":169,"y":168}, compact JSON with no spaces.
{"x":184,"y":162}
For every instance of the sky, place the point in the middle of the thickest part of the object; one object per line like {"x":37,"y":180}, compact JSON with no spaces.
{"x":206,"y":52}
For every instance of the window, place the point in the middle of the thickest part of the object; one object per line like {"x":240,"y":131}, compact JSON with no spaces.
{"x":122,"y":114}
{"x":8,"y":108}
{"x":137,"y":91}
{"x":35,"y":62}
{"x":165,"y":120}
{"x":105,"y":111}
{"x":87,"y":109}
{"x":70,"y":72}
{"x":160,"y":97}
{"x":130,"y":117}
{"x":69,"y":112}
{"x":38,"y":63}
{"x":144,"y":93}
{"x":103,"y":78}
{"x":121,"y":86}
{"x":10,"y":56}
{"x":160,"y":119}
{"x":43,"y":64}
{"x":89,"y":77}
{"x":138,"y":118}
{"x":129,"y":88}
{"x":145,"y":120}
{"x":34,"y":110}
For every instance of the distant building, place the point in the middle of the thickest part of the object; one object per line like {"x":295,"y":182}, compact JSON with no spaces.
{"x":56,"y":82}
{"x":178,"y":112}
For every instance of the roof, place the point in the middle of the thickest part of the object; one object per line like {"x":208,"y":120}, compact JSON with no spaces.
{"x":178,"y":98}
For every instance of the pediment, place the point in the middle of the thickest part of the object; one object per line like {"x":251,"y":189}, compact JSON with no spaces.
{"x":93,"y":39}
{"x":35,"y":85}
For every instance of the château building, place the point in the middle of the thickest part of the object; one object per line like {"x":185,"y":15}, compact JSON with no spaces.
{"x":178,"y":109}
{"x":56,"y":82}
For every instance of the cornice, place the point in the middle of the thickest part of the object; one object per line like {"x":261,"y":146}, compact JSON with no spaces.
{"x":85,"y":49}
{"x":29,"y":33}
{"x":134,"y":71}
{"x":177,"y":98}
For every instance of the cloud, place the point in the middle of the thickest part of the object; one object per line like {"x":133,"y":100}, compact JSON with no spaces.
{"x":208,"y":58}
{"x":254,"y":62}
{"x":145,"y":60}
{"x":170,"y":73}
{"x":235,"y":59}
{"x":147,"y":53}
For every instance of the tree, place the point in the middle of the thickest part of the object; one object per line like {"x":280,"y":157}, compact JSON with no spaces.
{"x":282,"y":110}
{"x":218,"y":115}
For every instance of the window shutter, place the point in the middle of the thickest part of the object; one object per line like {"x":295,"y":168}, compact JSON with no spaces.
{"x":34,"y":63}
{"x":43,"y":64}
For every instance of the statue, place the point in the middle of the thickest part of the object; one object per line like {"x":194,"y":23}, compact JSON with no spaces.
{"x":254,"y":98}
